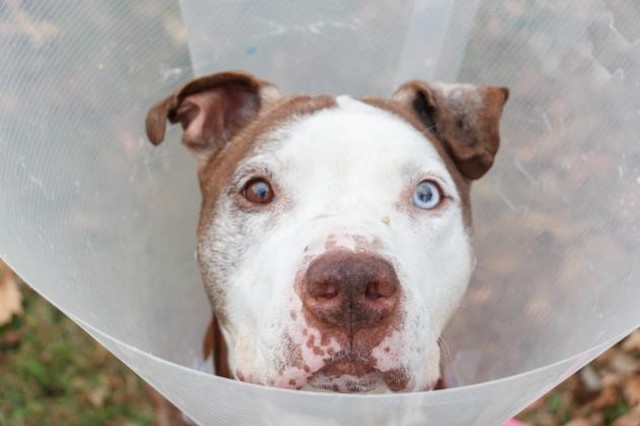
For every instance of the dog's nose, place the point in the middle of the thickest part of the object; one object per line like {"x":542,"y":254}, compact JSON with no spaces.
{"x":350,"y":290}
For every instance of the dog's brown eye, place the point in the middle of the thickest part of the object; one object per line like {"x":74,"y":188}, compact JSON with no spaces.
{"x":258,"y":191}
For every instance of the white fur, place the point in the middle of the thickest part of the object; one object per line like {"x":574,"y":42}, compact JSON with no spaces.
{"x":344,"y":175}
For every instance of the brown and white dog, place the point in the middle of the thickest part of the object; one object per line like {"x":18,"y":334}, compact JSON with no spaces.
{"x":334,"y":234}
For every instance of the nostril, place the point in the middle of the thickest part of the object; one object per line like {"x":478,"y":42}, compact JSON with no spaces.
{"x":330,"y":291}
{"x":379,"y":290}
{"x":372,"y":293}
{"x":323,"y":288}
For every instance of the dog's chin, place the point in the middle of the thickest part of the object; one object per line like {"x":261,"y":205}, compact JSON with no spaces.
{"x":345,"y":373}
{"x":347,"y":377}
{"x":351,"y":376}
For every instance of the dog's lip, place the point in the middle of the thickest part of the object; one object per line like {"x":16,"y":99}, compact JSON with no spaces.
{"x":346,"y":366}
{"x":347,"y":374}
{"x":363,"y":379}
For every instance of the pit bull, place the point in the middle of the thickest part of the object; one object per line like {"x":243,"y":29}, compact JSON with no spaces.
{"x":334,"y":238}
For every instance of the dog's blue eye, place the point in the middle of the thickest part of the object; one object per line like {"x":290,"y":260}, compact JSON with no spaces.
{"x":427,"y":195}
{"x":258,"y":191}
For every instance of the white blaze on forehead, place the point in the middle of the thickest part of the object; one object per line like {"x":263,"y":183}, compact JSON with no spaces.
{"x":352,"y":152}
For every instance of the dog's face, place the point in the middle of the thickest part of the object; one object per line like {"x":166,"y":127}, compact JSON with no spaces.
{"x":334,"y":236}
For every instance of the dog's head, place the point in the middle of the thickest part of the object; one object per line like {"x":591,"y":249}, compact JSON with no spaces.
{"x":334,"y":234}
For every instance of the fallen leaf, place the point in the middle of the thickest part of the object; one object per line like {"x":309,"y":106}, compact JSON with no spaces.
{"x":607,"y":398}
{"x":593,"y":419}
{"x":632,"y":343}
{"x":631,"y":391}
{"x":624,"y":364}
{"x":10,"y":338}
{"x":579,"y":421}
{"x":596,"y":419}
{"x":630,"y":419}
{"x":98,"y":395}
{"x":591,"y":379}
{"x":10,"y":296}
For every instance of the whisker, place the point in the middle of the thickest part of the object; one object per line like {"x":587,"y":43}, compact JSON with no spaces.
{"x":446,"y":358}
{"x":429,"y":129}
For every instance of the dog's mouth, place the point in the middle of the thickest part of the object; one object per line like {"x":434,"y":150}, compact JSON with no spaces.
{"x":346,"y":374}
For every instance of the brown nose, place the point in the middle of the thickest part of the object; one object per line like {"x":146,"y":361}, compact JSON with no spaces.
{"x":350,"y":290}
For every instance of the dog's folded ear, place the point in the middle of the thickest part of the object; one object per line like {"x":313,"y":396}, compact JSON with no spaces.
{"x":211,"y":110}
{"x":465,"y":118}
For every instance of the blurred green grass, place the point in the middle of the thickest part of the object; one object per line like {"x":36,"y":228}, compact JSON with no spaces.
{"x":53,"y":373}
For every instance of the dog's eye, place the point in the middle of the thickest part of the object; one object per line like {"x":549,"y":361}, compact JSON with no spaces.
{"x":258,"y":191}
{"x":427,"y":195}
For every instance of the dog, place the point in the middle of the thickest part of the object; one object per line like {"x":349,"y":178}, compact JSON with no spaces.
{"x":334,"y":238}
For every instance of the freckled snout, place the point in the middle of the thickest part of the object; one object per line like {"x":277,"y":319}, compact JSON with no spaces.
{"x":350,"y":290}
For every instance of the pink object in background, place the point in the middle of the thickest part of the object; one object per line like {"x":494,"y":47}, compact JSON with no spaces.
{"x":514,"y":422}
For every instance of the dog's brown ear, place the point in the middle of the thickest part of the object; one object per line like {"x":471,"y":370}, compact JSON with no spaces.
{"x":465,"y":118}
{"x":211,"y":110}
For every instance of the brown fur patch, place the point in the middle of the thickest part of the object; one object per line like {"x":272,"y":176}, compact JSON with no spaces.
{"x":405,"y":112}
